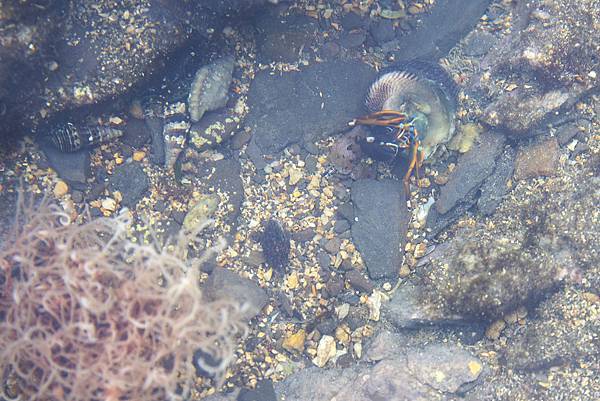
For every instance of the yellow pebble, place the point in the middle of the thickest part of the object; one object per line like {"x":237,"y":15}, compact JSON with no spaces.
{"x":295,"y":342}
{"x":138,"y":155}
{"x":60,"y":189}
{"x":475,"y":368}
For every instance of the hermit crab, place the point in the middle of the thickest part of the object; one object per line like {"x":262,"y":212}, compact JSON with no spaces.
{"x":411,"y":111}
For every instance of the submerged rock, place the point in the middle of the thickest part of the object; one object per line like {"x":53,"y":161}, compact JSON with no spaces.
{"x":380,"y":224}
{"x":275,"y":242}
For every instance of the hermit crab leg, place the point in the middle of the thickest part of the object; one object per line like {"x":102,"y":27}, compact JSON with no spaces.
{"x":383,"y":118}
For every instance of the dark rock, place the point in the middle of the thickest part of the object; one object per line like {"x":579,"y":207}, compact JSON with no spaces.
{"x":275,"y":243}
{"x":334,"y":286}
{"x":223,"y":283}
{"x":341,"y":226}
{"x":478,"y":43}
{"x":332,"y":246}
{"x":495,"y":187}
{"x":359,"y":282}
{"x":281,"y":38}
{"x":352,"y":39}
{"x":286,"y":305}
{"x":346,"y":211}
{"x":324,"y":260}
{"x":155,"y":126}
{"x":383,"y":31}
{"x":136,"y":133}
{"x":472,"y":169}
{"x":240,"y":138}
{"x":310,"y":146}
{"x":350,"y":298}
{"x":319,"y":100}
{"x":327,"y":326}
{"x":345,"y":361}
{"x":304,"y":235}
{"x":330,"y":49}
{"x":77,"y":196}
{"x":225,"y":175}
{"x":72,"y":167}
{"x":264,"y":391}
{"x":538,"y":159}
{"x":379,"y":229}
{"x":131,"y":181}
{"x":568,"y":131}
{"x":435,"y":36}
{"x":352,"y":21}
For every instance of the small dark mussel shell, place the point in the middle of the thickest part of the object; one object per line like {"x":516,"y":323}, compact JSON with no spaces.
{"x":275,"y":242}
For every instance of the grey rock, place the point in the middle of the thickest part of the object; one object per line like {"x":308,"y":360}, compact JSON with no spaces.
{"x":157,"y":150}
{"x":478,"y":43}
{"x":223,"y":396}
{"x":317,"y":101}
{"x":334,"y":286}
{"x":210,"y":87}
{"x":383,"y":31}
{"x":315,"y":384}
{"x":136,"y":133}
{"x":346,"y":211}
{"x":458,"y":367}
{"x":495,"y":187}
{"x":433,"y":373}
{"x":281,"y":38}
{"x":545,"y":85}
{"x":435,"y":36}
{"x":472,"y":169}
{"x":131,"y":181}
{"x":72,"y":167}
{"x":407,"y":310}
{"x":353,"y":39}
{"x":332,"y":246}
{"x":225,"y":176}
{"x":359,"y":282}
{"x":223,"y":283}
{"x":379,"y":229}
{"x":264,"y":391}
{"x":352,"y":21}
{"x":341,"y":226}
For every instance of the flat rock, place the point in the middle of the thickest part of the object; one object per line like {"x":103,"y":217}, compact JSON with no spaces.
{"x":538,"y":159}
{"x":263,"y":392}
{"x":435,"y":36}
{"x":131,"y":181}
{"x":315,"y":384}
{"x":495,"y":187}
{"x":223,"y":283}
{"x":471,"y":169}
{"x":406,"y":310}
{"x":72,"y":167}
{"x":136,"y":133}
{"x":380,"y":224}
{"x":436,"y":372}
{"x":225,"y":175}
{"x":315,"y":102}
{"x":446,"y":368}
{"x":282,"y":38}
